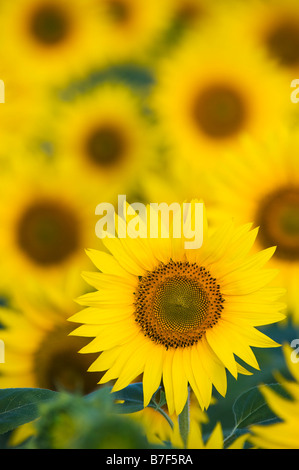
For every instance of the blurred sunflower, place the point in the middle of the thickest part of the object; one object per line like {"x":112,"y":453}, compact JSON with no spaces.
{"x":47,"y":220}
{"x":263,"y":187}
{"x":208,"y":96}
{"x":271,"y":26}
{"x":176,"y":314}
{"x":196,"y":441}
{"x":38,"y":351}
{"x":23,"y":103}
{"x":49,"y":39}
{"x":159,"y":428}
{"x":130,"y":28}
{"x":284,"y":434}
{"x":105,"y":134}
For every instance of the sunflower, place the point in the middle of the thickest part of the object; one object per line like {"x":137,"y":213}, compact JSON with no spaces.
{"x":285,"y":434}
{"x":263,"y":186}
{"x":207,"y":97}
{"x":130,"y":28}
{"x":50,"y":39}
{"x":271,"y":26}
{"x":38,"y":349}
{"x":105,"y":134}
{"x":175,"y":314}
{"x":159,"y":427}
{"x":47,"y":218}
{"x":196,"y":441}
{"x":22,"y":103}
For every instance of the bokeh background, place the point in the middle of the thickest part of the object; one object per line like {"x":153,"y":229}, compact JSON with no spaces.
{"x":160,"y":100}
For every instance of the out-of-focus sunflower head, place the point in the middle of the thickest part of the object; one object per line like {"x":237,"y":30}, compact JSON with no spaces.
{"x":207,"y":97}
{"x":49,"y":40}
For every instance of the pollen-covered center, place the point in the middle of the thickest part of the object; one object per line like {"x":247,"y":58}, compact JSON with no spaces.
{"x":48,"y":232}
{"x":282,"y":42}
{"x":106,"y":145}
{"x":176,"y":303}
{"x":49,"y":24}
{"x":219,"y":111}
{"x":278,"y":218}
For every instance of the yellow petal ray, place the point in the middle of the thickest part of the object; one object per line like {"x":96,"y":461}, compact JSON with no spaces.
{"x":252,"y":335}
{"x":179,"y":380}
{"x":105,"y":360}
{"x":239,"y":442}
{"x":106,"y":296}
{"x":249,"y":282}
{"x":167,"y":380}
{"x":128,"y":263}
{"x":103,"y":281}
{"x":97,"y":316}
{"x":213,"y":249}
{"x":133,"y":367}
{"x":106,"y":263}
{"x":152,"y":373}
{"x":242,"y":241}
{"x":282,"y":407}
{"x":253,"y":318}
{"x":215,"y":440}
{"x":240,"y":348}
{"x":219,"y":343}
{"x":276,"y":436}
{"x":203,"y":381}
{"x":253,"y":262}
{"x":108,"y":339}
{"x":145,"y":258}
{"x":130,"y":348}
{"x":190,"y":376}
{"x":242,"y":370}
{"x":213,"y":366}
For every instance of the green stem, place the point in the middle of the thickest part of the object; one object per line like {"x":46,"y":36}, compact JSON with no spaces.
{"x":184,"y":423}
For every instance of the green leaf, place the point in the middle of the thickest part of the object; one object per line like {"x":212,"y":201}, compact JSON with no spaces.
{"x":251,"y":408}
{"x":130,"y":399}
{"x":20,"y":405}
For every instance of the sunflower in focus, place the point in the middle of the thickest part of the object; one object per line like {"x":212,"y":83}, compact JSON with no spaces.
{"x":284,"y":434}
{"x":50,"y":39}
{"x":175,"y":314}
{"x":38,"y":349}
{"x":207,"y":97}
{"x":106,"y":136}
{"x":263,"y":187}
{"x":47,"y":220}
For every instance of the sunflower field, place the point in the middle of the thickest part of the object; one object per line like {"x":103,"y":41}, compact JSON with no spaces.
{"x":121,"y":328}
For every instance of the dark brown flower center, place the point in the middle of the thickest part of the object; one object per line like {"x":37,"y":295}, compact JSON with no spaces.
{"x":59,"y":366}
{"x":176,"y":303}
{"x":219,"y":111}
{"x":49,"y":24}
{"x":189,"y":12}
{"x":278,"y":218}
{"x":119,"y":10}
{"x":106,"y":146}
{"x":48,"y":233}
{"x":283,"y":42}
